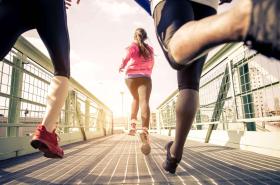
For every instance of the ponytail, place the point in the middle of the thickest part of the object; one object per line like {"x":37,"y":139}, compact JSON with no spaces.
{"x":140,"y":37}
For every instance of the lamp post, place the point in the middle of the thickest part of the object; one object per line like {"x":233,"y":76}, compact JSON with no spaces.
{"x":122,"y":99}
{"x":122,"y":94}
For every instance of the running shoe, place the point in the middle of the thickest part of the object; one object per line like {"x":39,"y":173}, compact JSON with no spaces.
{"x":132,"y":131}
{"x":47,"y":143}
{"x":170,"y":164}
{"x":264,"y":29}
{"x":146,"y":147}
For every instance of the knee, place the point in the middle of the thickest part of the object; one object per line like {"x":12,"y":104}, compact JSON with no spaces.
{"x":175,"y":65}
{"x":170,"y":56}
{"x":185,"y":111}
{"x":183,"y":108}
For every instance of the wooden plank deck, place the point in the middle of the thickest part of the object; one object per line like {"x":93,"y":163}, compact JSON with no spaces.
{"x":117,"y":159}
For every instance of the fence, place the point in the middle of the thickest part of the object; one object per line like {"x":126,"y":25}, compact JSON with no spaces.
{"x":239,"y":90}
{"x":25,"y":75}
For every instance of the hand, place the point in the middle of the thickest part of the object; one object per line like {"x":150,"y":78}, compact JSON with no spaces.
{"x":68,"y":3}
{"x":224,"y":1}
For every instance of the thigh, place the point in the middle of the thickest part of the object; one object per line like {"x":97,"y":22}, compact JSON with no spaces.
{"x":169,"y":16}
{"x":189,"y":77}
{"x":132,"y":85}
{"x":12,"y":25}
{"x":52,"y":28}
{"x":144,"y":89}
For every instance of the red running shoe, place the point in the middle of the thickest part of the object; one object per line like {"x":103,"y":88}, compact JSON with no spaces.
{"x":132,"y":131}
{"x":46,"y":142}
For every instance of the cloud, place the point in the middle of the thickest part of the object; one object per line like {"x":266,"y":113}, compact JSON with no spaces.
{"x":86,"y":70}
{"x":115,"y":9}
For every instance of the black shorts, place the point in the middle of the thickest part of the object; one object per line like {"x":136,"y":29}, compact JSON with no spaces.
{"x":48,"y":17}
{"x":169,"y":16}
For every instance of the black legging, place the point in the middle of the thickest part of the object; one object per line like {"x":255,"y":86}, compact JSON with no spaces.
{"x":140,"y":89}
{"x":169,"y":16}
{"x":48,"y":17}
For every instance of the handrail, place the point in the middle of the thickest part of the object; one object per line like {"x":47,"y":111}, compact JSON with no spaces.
{"x":34,"y":125}
{"x":268,"y":119}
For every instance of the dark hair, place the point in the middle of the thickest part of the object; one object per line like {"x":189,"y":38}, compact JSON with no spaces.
{"x":140,"y":36}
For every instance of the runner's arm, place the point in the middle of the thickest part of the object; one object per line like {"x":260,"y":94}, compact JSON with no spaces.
{"x":126,"y":58}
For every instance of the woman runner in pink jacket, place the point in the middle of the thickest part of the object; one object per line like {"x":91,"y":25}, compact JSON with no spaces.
{"x":138,"y":65}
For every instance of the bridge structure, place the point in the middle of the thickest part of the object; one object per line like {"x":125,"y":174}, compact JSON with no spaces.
{"x":235,"y":138}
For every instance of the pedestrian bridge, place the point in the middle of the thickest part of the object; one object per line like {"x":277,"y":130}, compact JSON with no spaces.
{"x":234,"y":138}
{"x":117,"y":159}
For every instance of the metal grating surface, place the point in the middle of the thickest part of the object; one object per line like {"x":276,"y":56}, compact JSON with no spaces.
{"x":118,"y":160}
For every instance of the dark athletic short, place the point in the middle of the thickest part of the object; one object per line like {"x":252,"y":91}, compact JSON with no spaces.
{"x":48,"y":17}
{"x":169,"y":16}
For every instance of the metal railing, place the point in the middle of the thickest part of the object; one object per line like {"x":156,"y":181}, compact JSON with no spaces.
{"x":25,"y":76}
{"x":239,"y":90}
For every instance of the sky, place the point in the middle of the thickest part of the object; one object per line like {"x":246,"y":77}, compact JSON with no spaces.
{"x":99,"y":33}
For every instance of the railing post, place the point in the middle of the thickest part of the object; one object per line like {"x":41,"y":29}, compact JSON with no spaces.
{"x":87,"y":114}
{"x":169,"y":131}
{"x":100,"y":120}
{"x":80,"y":121}
{"x":158,"y":120}
{"x":222,"y":95}
{"x":198,"y":120}
{"x":69,"y":106}
{"x":15,"y":92}
{"x":232,"y":87}
{"x":247,"y":99}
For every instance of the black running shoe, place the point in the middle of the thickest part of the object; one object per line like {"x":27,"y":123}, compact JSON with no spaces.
{"x":264,"y":29}
{"x":170,"y":164}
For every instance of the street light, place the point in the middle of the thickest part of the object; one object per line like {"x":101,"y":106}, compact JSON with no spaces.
{"x":122,"y":115}
{"x":122,"y":93}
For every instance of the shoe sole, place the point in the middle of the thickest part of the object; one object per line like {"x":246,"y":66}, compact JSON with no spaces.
{"x":146,"y":149}
{"x":166,"y":169}
{"x":44,"y":148}
{"x":164,"y":166}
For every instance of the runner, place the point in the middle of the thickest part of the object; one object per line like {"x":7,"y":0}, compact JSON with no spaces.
{"x":48,"y":17}
{"x":138,"y":65}
{"x":187,"y":29}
